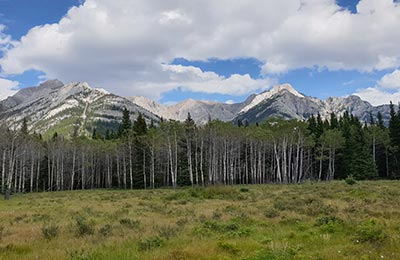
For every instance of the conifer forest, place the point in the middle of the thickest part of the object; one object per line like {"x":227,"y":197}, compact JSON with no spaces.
{"x":171,"y":153}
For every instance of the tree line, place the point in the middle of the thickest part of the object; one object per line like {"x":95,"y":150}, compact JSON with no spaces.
{"x":174,"y":154}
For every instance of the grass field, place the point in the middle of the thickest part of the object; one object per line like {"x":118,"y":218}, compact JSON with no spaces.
{"x":308,"y":221}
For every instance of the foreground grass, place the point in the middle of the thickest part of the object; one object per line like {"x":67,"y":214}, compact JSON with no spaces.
{"x":308,"y":221}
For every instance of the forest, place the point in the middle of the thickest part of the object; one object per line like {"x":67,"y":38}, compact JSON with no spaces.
{"x":173,"y":154}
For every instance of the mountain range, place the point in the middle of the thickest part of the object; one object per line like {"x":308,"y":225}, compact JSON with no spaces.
{"x":78,"y":108}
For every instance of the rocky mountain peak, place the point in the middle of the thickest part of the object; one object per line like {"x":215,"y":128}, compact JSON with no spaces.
{"x":51,"y":84}
{"x":285,"y":87}
{"x":270,"y":93}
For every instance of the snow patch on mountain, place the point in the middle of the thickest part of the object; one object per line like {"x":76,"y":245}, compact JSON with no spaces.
{"x":270,"y":93}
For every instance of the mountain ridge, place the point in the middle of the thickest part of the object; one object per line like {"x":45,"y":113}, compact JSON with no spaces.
{"x":54,"y":104}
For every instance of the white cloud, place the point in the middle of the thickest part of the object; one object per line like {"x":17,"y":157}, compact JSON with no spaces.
{"x":391,"y":81}
{"x":386,"y":90}
{"x":378,"y":96}
{"x":121,"y":45}
{"x":189,"y":78}
{"x":5,"y":40}
{"x":7,"y":88}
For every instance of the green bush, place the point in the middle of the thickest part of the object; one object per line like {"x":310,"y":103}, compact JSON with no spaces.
{"x":350,"y":180}
{"x":244,"y":189}
{"x":167,"y":232}
{"x":329,"y":224}
{"x":325,"y":220}
{"x":105,"y":230}
{"x":50,"y":231}
{"x":129,"y":223}
{"x":228,"y":247}
{"x":231,"y":228}
{"x":150,"y":243}
{"x":271,"y":213}
{"x":84,"y":226}
{"x":2,"y":230}
{"x":369,"y":231}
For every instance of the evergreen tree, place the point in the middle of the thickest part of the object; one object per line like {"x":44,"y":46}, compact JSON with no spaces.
{"x":334,"y":123}
{"x":319,"y":127}
{"x":126,"y":123}
{"x":394,"y":134}
{"x":152,"y":124}
{"x":380,"y":121}
{"x":371,"y":119}
{"x":356,"y":158}
{"x":108,"y":134}
{"x":394,"y":127}
{"x":24,"y":127}
{"x":239,"y":122}
{"x":139,"y":125}
{"x":94,"y":133}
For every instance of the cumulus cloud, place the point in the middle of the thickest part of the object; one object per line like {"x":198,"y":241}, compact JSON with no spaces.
{"x":391,"y":81}
{"x":387,"y":89}
{"x":7,"y":88}
{"x":189,"y":78}
{"x":5,"y":39}
{"x":378,"y":96}
{"x":123,"y":45}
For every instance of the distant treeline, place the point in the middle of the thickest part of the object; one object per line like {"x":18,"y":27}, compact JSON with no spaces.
{"x":183,"y":153}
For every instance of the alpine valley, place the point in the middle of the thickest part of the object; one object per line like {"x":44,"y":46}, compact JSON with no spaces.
{"x":78,"y":108}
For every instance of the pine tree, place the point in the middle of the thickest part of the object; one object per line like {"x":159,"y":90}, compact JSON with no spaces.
{"x":94,"y":133}
{"x":140,"y":126}
{"x":394,"y":134}
{"x":371,"y":119}
{"x":320,"y":126}
{"x":152,"y":124}
{"x":126,"y":123}
{"x":356,"y":158}
{"x":239,"y":122}
{"x":24,"y":127}
{"x":380,"y":121}
{"x":394,"y":127}
{"x":334,"y":123}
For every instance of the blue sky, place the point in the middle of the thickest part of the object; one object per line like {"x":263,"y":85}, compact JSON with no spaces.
{"x":320,"y":77}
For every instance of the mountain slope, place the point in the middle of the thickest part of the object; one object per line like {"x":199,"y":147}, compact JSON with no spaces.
{"x":199,"y":110}
{"x":53,"y":106}
{"x":289,"y":104}
{"x":76,"y":107}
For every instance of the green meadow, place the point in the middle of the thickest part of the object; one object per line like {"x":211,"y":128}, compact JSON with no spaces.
{"x":332,"y":220}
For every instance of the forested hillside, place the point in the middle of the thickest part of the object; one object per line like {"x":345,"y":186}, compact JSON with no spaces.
{"x":177,"y":154}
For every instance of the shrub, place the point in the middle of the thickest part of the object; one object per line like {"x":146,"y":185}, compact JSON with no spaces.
{"x":2,"y":229}
{"x":150,"y":243}
{"x":40,"y":217}
{"x":129,"y":223}
{"x":325,"y":220}
{"x":217,"y":215}
{"x":244,"y":189}
{"x":228,"y":247}
{"x":105,"y":230}
{"x":329,"y":223}
{"x":182,"y":222}
{"x":271,"y":213}
{"x":231,"y":228}
{"x":84,"y":226}
{"x":350,"y":180}
{"x":370,"y":232}
{"x":50,"y":231}
{"x":167,"y":232}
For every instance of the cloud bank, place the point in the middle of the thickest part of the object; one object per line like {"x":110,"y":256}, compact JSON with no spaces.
{"x":125,"y":46}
